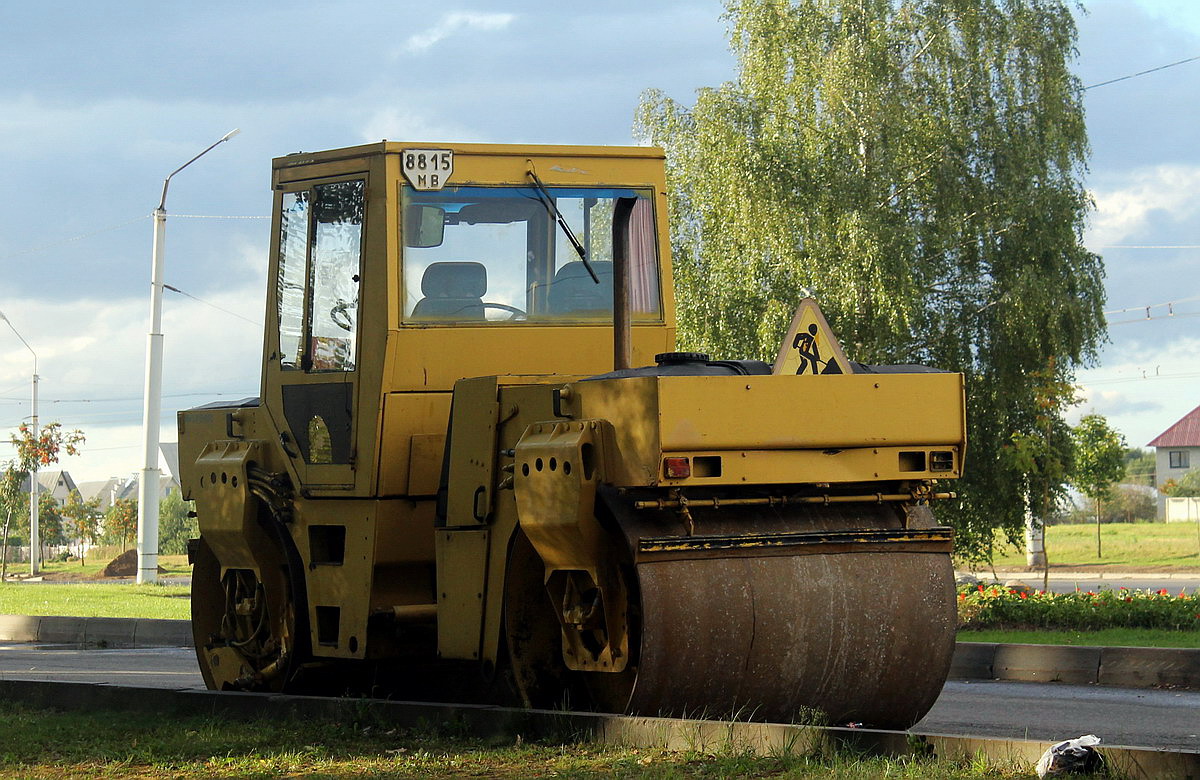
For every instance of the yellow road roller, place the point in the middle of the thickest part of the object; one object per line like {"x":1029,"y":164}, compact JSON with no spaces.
{"x":479,"y":471}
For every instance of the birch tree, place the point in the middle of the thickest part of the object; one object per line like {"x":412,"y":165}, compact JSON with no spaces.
{"x":918,"y":165}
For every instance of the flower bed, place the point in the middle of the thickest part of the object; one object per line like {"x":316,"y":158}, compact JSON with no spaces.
{"x":1000,"y":607}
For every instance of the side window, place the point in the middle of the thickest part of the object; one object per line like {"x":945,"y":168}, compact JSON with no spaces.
{"x":1180,"y":459}
{"x":320,"y":252}
{"x":336,"y":255}
{"x":293,"y":261}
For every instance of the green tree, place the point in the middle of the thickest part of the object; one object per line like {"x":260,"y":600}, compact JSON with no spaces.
{"x":81,"y":519}
{"x":50,"y":523}
{"x":1128,"y":504}
{"x":1140,"y":466}
{"x":120,"y":521}
{"x":175,"y":524}
{"x":1099,"y":461}
{"x":919,"y":164}
{"x":32,"y":451}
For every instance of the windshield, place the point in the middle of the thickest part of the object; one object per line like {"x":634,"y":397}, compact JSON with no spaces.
{"x":496,"y":255}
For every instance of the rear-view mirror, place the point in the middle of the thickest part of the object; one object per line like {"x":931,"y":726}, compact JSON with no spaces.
{"x":424,"y":225}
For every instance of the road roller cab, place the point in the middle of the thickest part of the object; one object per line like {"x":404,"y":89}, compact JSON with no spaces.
{"x":478,"y":468}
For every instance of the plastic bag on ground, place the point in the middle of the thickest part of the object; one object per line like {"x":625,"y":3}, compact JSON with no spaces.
{"x":1070,"y":757}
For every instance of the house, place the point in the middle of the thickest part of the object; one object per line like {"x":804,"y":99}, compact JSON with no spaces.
{"x":1177,"y":451}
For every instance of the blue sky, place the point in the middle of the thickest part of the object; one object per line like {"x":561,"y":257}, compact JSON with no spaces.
{"x":98,"y":102}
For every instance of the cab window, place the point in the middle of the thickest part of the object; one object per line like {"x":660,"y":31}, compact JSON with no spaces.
{"x":492,"y":255}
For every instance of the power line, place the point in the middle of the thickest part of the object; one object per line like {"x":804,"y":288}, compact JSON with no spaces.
{"x":114,"y":400}
{"x":213,"y":305}
{"x":1149,"y":246}
{"x":218,"y":216}
{"x":1143,"y":378}
{"x":1142,"y":73}
{"x":1170,"y":316}
{"x":1147,"y":307}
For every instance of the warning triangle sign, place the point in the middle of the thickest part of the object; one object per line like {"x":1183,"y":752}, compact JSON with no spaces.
{"x":809,"y":346}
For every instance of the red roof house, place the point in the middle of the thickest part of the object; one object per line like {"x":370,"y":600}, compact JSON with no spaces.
{"x":1185,"y":433}
{"x":1177,"y":451}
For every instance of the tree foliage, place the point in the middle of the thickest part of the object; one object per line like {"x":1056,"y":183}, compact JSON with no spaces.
{"x":81,"y":520}
{"x":918,"y":164}
{"x":1187,"y":485}
{"x":1099,"y":462}
{"x":175,"y":525}
{"x":1140,"y":466}
{"x":32,"y":452}
{"x":1099,"y":456}
{"x":120,"y":521}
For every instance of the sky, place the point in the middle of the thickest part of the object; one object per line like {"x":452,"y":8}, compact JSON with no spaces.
{"x":100,"y":101}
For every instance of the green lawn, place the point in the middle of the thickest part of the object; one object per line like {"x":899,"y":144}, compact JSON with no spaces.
{"x":1109,"y":637}
{"x":1129,"y":546}
{"x":96,"y":600}
{"x":42,"y":744}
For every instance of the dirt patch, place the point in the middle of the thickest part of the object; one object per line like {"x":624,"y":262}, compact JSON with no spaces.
{"x":125,"y":565}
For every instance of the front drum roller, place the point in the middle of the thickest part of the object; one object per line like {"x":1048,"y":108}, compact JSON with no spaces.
{"x":824,"y":626}
{"x":838,"y":638}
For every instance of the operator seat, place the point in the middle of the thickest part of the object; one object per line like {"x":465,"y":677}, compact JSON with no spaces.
{"x":453,"y":291}
{"x":573,"y":290}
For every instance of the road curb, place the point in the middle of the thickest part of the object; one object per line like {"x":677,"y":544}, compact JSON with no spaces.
{"x":100,"y":631}
{"x":1123,"y":667}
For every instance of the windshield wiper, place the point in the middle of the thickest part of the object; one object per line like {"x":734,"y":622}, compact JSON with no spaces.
{"x":548,"y":202}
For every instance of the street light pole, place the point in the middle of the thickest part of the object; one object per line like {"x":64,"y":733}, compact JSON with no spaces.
{"x":34,"y":541}
{"x":152,"y":403}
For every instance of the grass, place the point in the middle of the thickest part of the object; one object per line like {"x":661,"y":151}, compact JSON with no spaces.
{"x":1108,"y":637}
{"x":96,"y":600}
{"x":43,"y":744}
{"x":1128,"y":546}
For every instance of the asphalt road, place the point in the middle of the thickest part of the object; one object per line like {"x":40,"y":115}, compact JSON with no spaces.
{"x":1052,"y":712}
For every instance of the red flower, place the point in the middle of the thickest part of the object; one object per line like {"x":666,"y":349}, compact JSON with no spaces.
{"x":1024,"y":595}
{"x":1162,"y":591}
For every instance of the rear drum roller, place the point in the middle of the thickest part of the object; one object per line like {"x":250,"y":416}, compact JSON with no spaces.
{"x":245,"y":630}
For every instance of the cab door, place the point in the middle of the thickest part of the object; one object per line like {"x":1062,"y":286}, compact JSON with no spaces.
{"x":312,"y":368}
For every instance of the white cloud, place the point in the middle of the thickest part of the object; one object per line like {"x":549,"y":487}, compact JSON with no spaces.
{"x":453,"y":23}
{"x":91,"y":358}
{"x":1124,"y":212}
{"x":408,"y":125}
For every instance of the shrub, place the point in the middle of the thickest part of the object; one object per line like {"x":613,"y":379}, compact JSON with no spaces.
{"x":998,"y":607}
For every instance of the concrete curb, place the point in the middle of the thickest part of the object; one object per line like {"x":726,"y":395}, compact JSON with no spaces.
{"x":1123,"y":667}
{"x":104,"y":632}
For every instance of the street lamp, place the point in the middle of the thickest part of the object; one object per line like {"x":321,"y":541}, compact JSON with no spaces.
{"x":152,"y":405}
{"x":34,"y":548}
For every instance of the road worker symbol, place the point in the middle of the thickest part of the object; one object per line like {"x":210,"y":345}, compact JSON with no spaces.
{"x":809,"y":346}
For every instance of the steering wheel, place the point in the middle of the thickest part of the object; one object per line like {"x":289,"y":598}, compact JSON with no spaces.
{"x":340,"y":316}
{"x":513,"y":310}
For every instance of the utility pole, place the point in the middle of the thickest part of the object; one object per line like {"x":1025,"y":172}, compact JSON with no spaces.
{"x":152,"y":404}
